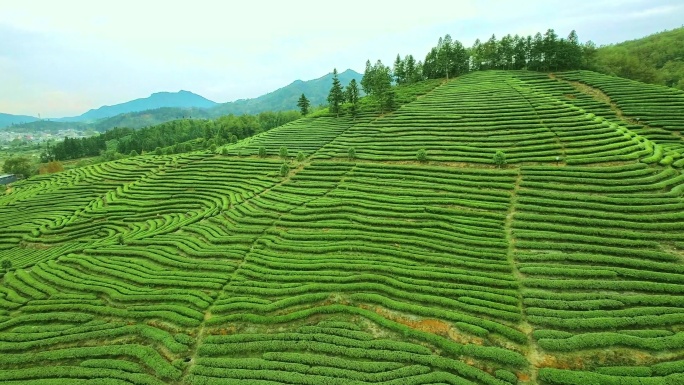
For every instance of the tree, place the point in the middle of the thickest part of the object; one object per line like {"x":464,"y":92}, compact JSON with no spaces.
{"x":133,"y":153}
{"x":284,"y":169}
{"x":158,"y":151}
{"x":283,"y":152}
{"x":6,"y":264}
{"x":377,"y":82}
{"x":300,"y":156}
{"x":19,"y":165}
{"x":303,"y":104}
{"x":336,"y":95}
{"x":224,"y":151}
{"x":399,"y":70}
{"x":120,"y":239}
{"x":262,"y":152}
{"x":499,"y":158}
{"x":351,"y":153}
{"x":421,"y":155}
{"x":366,"y":80}
{"x":351,"y":94}
{"x":212,"y":148}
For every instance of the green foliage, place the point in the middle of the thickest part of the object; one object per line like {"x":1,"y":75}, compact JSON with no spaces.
{"x":19,"y":165}
{"x":300,"y":156}
{"x":421,"y":155}
{"x":507,"y":376}
{"x":351,"y":95}
{"x":499,"y":158}
{"x":6,"y":264}
{"x":283,"y":152}
{"x":284,"y":169}
{"x":262,"y":152}
{"x":336,"y":95}
{"x":655,"y":59}
{"x":377,"y":82}
{"x":303,"y":104}
{"x":133,"y":153}
{"x":351,"y":153}
{"x":158,"y":151}
{"x":224,"y":151}
{"x":212,"y":148}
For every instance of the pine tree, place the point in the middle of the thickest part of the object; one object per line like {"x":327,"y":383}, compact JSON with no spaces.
{"x":399,"y":71}
{"x":336,"y":95}
{"x":351,"y":95}
{"x":303,"y":104}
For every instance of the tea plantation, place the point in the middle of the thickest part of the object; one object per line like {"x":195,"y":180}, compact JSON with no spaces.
{"x":563,"y":267}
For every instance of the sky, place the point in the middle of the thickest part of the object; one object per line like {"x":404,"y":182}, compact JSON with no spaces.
{"x":62,"y":58}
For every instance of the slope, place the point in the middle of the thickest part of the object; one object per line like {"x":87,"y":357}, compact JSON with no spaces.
{"x":285,"y":98}
{"x":208,"y":269}
{"x":180,"y":99}
{"x":655,"y":59}
{"x":7,"y":120}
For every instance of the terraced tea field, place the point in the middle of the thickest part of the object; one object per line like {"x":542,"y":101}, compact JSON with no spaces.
{"x":566,"y":266}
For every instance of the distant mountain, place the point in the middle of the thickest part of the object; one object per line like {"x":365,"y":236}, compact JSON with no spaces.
{"x":285,"y":98}
{"x":166,"y":106}
{"x":181,"y":99}
{"x":149,"y":118}
{"x":7,"y":120}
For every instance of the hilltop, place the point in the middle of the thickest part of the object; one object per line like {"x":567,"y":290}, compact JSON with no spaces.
{"x":253,"y":264}
{"x":9,"y":119}
{"x":285,"y":98}
{"x":181,"y":99}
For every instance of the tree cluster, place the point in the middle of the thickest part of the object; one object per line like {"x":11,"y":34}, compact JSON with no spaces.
{"x":656,"y":59}
{"x":19,"y":165}
{"x":539,"y":53}
{"x":377,"y":82}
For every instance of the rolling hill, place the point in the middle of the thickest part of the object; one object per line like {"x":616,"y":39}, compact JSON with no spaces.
{"x":656,"y":59}
{"x":7,"y":120}
{"x":181,"y":99}
{"x":563,"y":267}
{"x":285,"y":98}
{"x":164,"y":106}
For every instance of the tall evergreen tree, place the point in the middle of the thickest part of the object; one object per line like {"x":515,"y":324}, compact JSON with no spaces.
{"x":303,"y":104}
{"x":399,"y":70}
{"x":351,"y":95}
{"x":336,"y":95}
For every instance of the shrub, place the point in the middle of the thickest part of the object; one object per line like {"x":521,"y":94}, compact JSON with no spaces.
{"x":283,"y":152}
{"x":6,"y":264}
{"x":284,"y":169}
{"x":422,"y":155}
{"x":262,"y":152}
{"x":499,"y":158}
{"x":300,"y":156}
{"x":158,"y":151}
{"x":133,"y":153}
{"x":352,"y":153}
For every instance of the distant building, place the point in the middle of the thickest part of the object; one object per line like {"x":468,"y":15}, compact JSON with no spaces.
{"x":7,"y":179}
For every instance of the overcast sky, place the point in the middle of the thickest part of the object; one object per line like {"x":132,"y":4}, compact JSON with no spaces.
{"x":62,"y":58}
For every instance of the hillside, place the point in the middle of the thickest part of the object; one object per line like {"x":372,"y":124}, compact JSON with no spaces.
{"x":7,"y":120}
{"x":563,"y":267}
{"x":180,"y":99}
{"x":285,"y":98}
{"x":657,"y":59}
